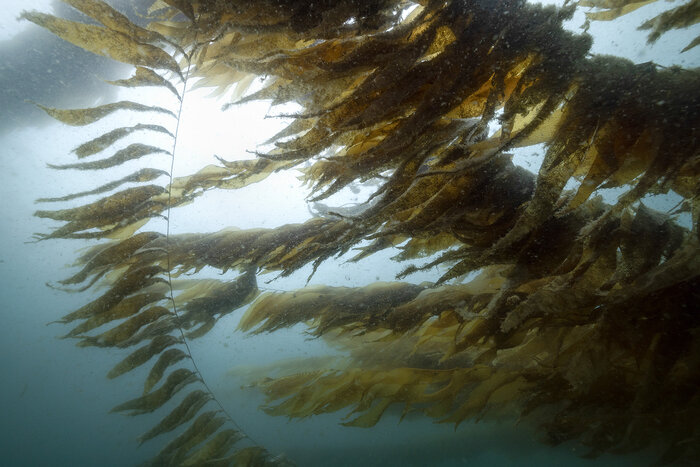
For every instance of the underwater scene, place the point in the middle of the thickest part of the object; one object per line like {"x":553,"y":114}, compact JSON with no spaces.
{"x":350,"y":233}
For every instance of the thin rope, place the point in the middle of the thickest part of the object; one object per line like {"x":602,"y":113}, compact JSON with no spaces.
{"x":167,"y":249}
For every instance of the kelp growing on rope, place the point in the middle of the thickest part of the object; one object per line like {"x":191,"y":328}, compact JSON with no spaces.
{"x":556,"y":306}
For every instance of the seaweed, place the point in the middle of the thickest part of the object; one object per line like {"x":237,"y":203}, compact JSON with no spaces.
{"x":678,"y":17}
{"x":554,"y":306}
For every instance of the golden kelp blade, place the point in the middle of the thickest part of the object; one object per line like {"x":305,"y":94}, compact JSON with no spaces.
{"x":105,"y":42}
{"x":328,"y":307}
{"x":103,"y":142}
{"x":372,"y":416}
{"x":143,"y":354}
{"x":176,"y":381}
{"x":163,"y":326}
{"x":80,"y":117}
{"x":146,"y":77}
{"x":140,"y":176}
{"x":183,"y":413}
{"x":203,"y":329}
{"x":111,"y":255}
{"x":214,"y":298}
{"x":695,"y":42}
{"x":124,"y":308}
{"x":679,"y":17}
{"x":216,"y":448}
{"x":176,"y":451}
{"x":131,"y":152}
{"x":115,"y":21}
{"x":252,"y":456}
{"x":167,"y":358}
{"x":132,"y":281}
{"x":183,"y":5}
{"x":615,"y":9}
{"x":116,"y":336}
{"x":112,"y":207}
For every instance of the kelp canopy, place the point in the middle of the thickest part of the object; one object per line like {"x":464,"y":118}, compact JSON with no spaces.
{"x":556,"y":307}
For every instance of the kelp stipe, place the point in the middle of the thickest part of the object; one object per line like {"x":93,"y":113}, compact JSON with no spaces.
{"x":222,"y":298}
{"x":576,"y":307}
{"x":135,"y":271}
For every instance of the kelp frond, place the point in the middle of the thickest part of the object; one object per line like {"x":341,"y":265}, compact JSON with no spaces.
{"x":553,"y":305}
{"x":678,"y":17}
{"x":138,"y":309}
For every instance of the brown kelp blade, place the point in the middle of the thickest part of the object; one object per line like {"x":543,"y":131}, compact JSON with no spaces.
{"x":143,"y":354}
{"x":183,"y":413}
{"x":175,"y":451}
{"x":140,"y":176}
{"x":106,"y":140}
{"x":105,"y":42}
{"x":81,"y":117}
{"x":176,"y":381}
{"x":166,"y":359}
{"x":131,"y":152}
{"x":146,"y":77}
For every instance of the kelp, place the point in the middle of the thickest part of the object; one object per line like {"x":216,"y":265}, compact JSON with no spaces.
{"x":99,"y":259}
{"x":126,"y":45}
{"x":203,"y":426}
{"x":82,"y":117}
{"x":131,"y":152}
{"x":208,"y":301}
{"x":552,"y":306}
{"x":219,"y":445}
{"x":678,"y":17}
{"x":330,"y":307}
{"x":143,"y":354}
{"x":167,"y":358}
{"x":177,"y":380}
{"x":373,"y":391}
{"x":183,"y":413}
{"x":140,"y":176}
{"x":146,"y":77}
{"x":612,"y":9}
{"x":116,"y":336}
{"x":104,"y":141}
{"x":132,"y":263}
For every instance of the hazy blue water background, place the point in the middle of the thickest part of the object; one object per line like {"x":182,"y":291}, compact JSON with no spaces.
{"x":55,"y":397}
